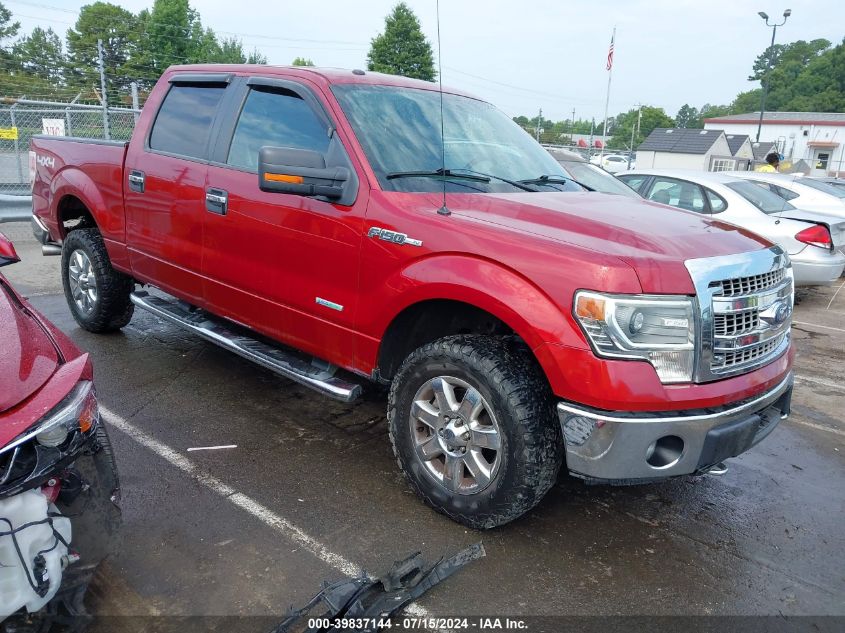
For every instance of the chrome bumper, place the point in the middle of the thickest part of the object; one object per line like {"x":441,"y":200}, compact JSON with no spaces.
{"x":615,"y":447}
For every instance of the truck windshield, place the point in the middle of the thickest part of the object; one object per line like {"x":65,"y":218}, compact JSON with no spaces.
{"x":399,"y":130}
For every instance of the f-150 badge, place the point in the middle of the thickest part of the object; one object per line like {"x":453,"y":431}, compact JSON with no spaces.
{"x":393,"y":236}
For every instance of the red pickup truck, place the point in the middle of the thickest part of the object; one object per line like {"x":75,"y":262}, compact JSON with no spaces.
{"x":323,"y":224}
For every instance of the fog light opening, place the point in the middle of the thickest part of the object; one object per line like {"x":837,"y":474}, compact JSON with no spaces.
{"x":665,"y":452}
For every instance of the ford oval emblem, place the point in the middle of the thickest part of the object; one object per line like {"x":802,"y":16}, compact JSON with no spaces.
{"x":782,"y":313}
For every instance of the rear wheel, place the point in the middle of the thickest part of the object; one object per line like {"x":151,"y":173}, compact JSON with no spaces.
{"x":97,"y":294}
{"x":472,"y":425}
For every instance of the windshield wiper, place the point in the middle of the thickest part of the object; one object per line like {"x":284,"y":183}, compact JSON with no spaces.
{"x":463,"y":174}
{"x":555,"y":180}
{"x":513,"y":183}
{"x":436,"y":173}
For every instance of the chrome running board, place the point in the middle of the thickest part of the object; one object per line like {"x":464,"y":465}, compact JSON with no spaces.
{"x":307,"y":371}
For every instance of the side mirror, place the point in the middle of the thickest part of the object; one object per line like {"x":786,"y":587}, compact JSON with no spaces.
{"x":7,"y":251}
{"x":300,"y":172}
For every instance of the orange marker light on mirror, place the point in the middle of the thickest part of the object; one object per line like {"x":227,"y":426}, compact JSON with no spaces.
{"x":297,"y":180}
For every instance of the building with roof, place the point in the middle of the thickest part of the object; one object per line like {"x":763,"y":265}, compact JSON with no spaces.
{"x":817,"y":138}
{"x":682,"y":148}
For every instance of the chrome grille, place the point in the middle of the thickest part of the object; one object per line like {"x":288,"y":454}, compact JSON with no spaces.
{"x":745,"y":303}
{"x":736,"y":323}
{"x":747,"y":355}
{"x":747,"y":285}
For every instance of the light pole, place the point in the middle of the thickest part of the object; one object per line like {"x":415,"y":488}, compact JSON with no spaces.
{"x":771,"y":52}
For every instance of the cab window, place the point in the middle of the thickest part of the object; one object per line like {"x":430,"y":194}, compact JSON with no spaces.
{"x":276,"y":118}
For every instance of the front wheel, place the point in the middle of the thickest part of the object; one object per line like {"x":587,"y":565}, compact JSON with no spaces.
{"x":472,"y":424}
{"x":97,"y":294}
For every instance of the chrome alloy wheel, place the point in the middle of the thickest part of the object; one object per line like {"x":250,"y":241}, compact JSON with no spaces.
{"x":456,"y":436}
{"x":83,"y":282}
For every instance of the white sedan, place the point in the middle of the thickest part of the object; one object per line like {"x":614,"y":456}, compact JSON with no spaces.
{"x":613,"y":163}
{"x":803,"y":192}
{"x":815,"y":241}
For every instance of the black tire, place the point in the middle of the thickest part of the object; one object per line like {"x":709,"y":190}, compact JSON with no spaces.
{"x":508,"y":378}
{"x":112,"y":308}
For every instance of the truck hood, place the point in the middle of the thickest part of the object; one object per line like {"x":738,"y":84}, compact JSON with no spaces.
{"x":655,"y":240}
{"x":29,"y":356}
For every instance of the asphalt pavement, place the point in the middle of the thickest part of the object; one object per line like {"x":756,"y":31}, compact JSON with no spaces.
{"x":311,"y":492}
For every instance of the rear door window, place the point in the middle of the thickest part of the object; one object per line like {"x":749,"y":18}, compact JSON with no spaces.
{"x":678,"y":193}
{"x":183,"y":123}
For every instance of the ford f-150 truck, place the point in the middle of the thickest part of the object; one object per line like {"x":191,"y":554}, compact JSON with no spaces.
{"x":323,"y":224}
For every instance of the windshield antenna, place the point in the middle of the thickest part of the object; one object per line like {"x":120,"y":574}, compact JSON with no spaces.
{"x":443,"y":210}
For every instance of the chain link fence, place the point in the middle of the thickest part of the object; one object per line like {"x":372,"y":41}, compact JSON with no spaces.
{"x":22,"y":119}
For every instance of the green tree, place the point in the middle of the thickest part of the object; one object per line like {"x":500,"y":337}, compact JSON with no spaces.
{"x":118,"y":29}
{"x":40,"y":54}
{"x":8,"y":30}
{"x":302,"y":61}
{"x":625,"y":123}
{"x":687,"y":116}
{"x":173,"y":34}
{"x":748,"y":101}
{"x":402,"y":49}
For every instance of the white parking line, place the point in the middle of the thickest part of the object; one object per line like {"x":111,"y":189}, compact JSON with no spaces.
{"x":821,"y":381}
{"x":824,"y":327}
{"x":244,"y":502}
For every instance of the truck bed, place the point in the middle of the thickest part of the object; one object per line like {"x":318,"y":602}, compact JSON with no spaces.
{"x":91,"y":168}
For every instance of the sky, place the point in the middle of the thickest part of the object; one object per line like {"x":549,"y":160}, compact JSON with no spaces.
{"x":526,"y":55}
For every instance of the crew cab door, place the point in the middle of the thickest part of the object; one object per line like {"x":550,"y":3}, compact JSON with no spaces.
{"x":283,"y":264}
{"x":164,"y":192}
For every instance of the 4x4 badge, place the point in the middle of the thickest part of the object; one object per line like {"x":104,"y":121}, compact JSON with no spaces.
{"x":393,"y":236}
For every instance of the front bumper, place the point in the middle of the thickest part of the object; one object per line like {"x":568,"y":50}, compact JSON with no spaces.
{"x":621,"y":448}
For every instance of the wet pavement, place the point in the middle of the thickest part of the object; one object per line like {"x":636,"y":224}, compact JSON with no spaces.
{"x":312,"y":489}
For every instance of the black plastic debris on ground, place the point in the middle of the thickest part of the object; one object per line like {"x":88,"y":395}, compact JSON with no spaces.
{"x":371,"y":601}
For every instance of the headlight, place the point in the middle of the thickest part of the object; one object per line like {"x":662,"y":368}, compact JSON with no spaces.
{"x":659,"y":329}
{"x":76,"y":412}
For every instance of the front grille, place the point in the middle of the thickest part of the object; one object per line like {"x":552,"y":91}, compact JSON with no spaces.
{"x":741,"y":286}
{"x":737,"y":323}
{"x":746,"y":355}
{"x":745,"y":302}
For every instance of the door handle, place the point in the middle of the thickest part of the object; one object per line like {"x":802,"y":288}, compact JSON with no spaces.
{"x":136,"y":181}
{"x":216,"y":200}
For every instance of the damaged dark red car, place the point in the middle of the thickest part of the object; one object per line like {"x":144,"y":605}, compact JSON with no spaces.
{"x":59,"y":488}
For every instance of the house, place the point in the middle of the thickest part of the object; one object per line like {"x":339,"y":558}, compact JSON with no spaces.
{"x":681,"y":148}
{"x":741,"y":150}
{"x":817,"y":138}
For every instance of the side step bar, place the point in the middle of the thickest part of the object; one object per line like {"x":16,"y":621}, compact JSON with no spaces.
{"x":316,"y":374}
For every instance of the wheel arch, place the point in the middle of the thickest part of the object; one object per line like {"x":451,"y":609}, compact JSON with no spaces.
{"x":466,"y":295}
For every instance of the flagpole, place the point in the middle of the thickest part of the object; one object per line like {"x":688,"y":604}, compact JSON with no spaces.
{"x":607,"y":99}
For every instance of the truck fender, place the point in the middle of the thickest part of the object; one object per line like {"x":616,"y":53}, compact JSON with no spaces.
{"x":70,"y":181}
{"x":484,"y":284}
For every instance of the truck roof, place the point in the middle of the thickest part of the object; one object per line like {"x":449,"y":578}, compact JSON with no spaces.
{"x":324,"y":76}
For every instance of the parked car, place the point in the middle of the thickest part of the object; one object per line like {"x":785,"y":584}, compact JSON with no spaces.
{"x":588,"y":174}
{"x":805,"y":193}
{"x":815,"y":241}
{"x":519,"y":328}
{"x":58,"y":482}
{"x":839,"y":183}
{"x":614,"y":163}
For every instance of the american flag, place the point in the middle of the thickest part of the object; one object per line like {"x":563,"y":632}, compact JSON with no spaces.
{"x":610,"y":52}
